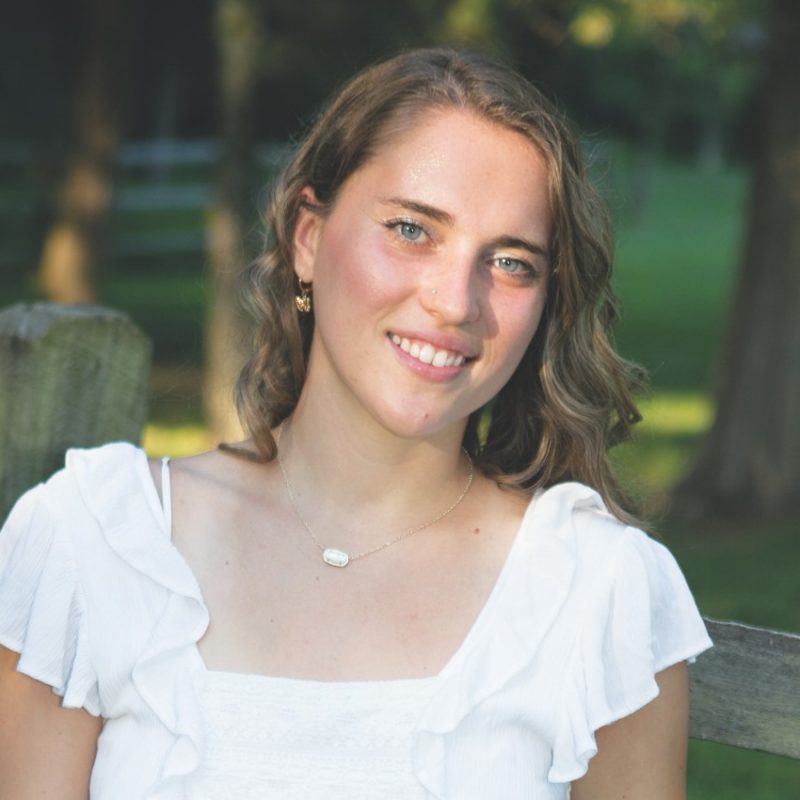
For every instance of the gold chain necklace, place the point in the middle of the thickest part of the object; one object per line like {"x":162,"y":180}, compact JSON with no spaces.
{"x":335,"y":557}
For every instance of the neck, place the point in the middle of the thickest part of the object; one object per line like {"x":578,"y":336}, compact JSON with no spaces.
{"x":360,"y":483}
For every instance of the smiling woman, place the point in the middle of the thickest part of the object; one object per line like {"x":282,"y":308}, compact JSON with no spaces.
{"x":441,"y":264}
{"x":417,"y":577}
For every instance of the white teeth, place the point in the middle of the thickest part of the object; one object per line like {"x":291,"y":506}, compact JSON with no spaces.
{"x":427,"y":354}
{"x":440,"y":359}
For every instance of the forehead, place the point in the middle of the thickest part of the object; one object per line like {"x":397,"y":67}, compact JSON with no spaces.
{"x":458,"y":161}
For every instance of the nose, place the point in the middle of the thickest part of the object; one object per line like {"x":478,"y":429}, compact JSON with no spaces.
{"x":451,"y":292}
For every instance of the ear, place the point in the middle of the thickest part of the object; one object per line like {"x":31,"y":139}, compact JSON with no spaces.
{"x":307,"y":229}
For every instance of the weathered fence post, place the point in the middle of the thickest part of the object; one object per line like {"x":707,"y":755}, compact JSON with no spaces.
{"x":70,"y":376}
{"x":745,"y":691}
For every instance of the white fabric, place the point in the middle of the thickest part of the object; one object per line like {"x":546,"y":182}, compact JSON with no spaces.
{"x":103,"y":608}
{"x":166,"y":495}
{"x":269,"y":737}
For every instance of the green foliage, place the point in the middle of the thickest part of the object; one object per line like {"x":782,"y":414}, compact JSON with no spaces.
{"x":671,"y":73}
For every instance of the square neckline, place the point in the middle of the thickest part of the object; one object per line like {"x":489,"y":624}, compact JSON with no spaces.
{"x":162,"y":509}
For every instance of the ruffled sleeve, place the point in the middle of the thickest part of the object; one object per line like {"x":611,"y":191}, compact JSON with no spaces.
{"x":104,"y":609}
{"x":42,"y":612}
{"x":642,"y":619}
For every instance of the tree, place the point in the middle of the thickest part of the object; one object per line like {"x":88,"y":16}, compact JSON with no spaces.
{"x":749,"y":462}
{"x":240,"y":39}
{"x":74,"y":247}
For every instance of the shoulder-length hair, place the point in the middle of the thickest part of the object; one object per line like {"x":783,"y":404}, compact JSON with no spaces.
{"x":570,"y":398}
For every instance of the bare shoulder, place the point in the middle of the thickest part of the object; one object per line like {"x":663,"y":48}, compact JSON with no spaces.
{"x":222,"y":473}
{"x":216,"y":495}
{"x":507,"y":505}
{"x":494,"y":516}
{"x":218,"y":468}
{"x":46,"y":751}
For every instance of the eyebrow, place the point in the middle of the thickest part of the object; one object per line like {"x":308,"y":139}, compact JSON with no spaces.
{"x":439,"y":215}
{"x":421,"y":208}
{"x":522,"y":244}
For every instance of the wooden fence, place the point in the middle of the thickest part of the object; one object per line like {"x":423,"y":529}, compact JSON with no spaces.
{"x":745,"y":691}
{"x":70,"y":376}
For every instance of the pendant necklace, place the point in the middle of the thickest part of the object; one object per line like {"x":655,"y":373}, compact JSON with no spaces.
{"x":335,"y":557}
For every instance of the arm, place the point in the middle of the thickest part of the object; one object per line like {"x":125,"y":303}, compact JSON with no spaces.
{"x":643,"y":756}
{"x":46,"y":751}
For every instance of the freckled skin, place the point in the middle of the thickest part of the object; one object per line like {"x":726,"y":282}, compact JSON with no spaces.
{"x":369,"y":280}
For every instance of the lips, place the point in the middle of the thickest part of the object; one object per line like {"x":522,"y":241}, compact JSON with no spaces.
{"x":427,"y":353}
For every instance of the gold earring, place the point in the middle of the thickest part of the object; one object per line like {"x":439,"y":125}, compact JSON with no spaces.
{"x":303,"y":300}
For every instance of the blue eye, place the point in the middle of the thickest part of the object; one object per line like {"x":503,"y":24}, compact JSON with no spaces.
{"x":410,"y":231}
{"x":513,"y":265}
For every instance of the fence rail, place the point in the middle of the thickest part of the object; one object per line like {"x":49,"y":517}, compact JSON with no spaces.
{"x":745,"y":691}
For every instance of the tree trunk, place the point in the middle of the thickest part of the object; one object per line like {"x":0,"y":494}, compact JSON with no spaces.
{"x":74,"y":248}
{"x":749,"y":463}
{"x":240,"y":42}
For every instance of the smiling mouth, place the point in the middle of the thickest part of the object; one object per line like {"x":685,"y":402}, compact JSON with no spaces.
{"x":426,"y":353}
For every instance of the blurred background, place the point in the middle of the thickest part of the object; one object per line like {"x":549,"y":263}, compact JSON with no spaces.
{"x":138,"y":139}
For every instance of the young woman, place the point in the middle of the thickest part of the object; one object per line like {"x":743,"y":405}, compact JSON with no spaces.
{"x":417,"y":577}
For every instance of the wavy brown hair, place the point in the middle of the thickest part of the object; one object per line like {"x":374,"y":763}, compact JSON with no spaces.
{"x":570,"y":398}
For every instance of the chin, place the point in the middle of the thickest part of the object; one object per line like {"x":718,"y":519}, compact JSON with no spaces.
{"x":410,"y":422}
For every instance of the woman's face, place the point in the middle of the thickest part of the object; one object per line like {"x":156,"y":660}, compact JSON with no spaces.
{"x":430,"y":273}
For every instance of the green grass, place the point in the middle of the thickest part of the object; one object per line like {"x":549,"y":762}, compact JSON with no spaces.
{"x":665,"y":440}
{"x":675,"y":271}
{"x":717,"y":772}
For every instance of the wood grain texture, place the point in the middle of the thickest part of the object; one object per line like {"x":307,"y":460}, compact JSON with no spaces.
{"x":745,"y":691}
{"x":70,"y":376}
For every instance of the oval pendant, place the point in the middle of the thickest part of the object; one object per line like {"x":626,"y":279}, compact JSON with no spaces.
{"x":335,"y":558}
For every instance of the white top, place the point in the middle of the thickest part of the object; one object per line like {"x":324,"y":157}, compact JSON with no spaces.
{"x":103,"y":608}
{"x":301,"y":740}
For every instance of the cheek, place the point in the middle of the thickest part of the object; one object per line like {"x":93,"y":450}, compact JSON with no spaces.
{"x":533,"y":321}
{"x":522,"y":322}
{"x":357,"y":272}
{"x":515,"y":336}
